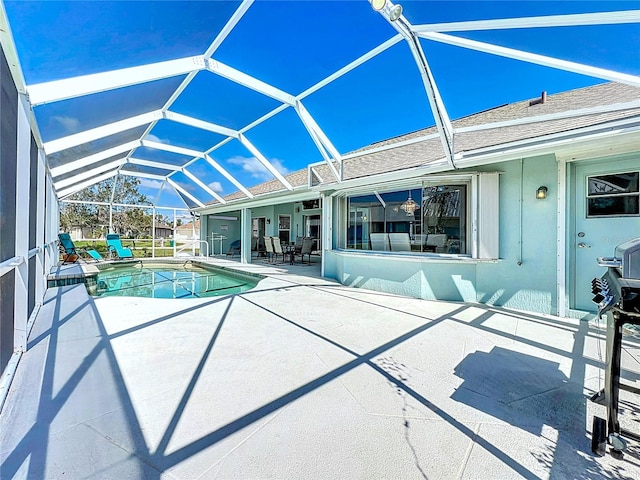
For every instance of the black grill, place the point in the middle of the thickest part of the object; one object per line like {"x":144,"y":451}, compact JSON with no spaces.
{"x":617,"y":294}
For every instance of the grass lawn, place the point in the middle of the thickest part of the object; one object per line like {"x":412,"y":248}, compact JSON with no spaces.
{"x":142,"y":247}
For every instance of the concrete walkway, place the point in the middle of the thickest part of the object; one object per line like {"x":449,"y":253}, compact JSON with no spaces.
{"x":302,"y":378}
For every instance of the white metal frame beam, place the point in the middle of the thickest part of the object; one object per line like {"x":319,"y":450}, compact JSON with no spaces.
{"x":57,"y":90}
{"x":600,"y":18}
{"x":96,"y":157}
{"x":97,"y":133}
{"x":154,"y":164}
{"x":443,"y":123}
{"x":88,"y":174}
{"x":151,"y":176}
{"x":202,"y":185}
{"x":87,"y":183}
{"x":185,"y":193}
{"x":267,"y":164}
{"x":248,"y":81}
{"x":227,"y":175}
{"x":201,"y":124}
{"x":188,"y":152}
{"x":322,"y":142}
{"x":533,"y":58}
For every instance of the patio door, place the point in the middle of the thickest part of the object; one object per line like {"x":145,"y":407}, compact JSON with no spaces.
{"x":607,"y":213}
{"x":312,"y":228}
{"x":257,"y":231}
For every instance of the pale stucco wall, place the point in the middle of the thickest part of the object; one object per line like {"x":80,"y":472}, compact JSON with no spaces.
{"x":526,"y":281}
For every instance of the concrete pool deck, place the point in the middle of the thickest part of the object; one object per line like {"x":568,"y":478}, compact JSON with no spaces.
{"x":302,"y":378}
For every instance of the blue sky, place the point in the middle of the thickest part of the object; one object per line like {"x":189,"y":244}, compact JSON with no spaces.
{"x":292,"y":45}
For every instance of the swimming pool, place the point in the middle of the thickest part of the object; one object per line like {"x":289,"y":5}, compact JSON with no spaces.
{"x":184,"y":280}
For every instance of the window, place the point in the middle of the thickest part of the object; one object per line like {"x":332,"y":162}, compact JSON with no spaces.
{"x":311,"y":204}
{"x":431,"y":218}
{"x":284,"y":228}
{"x":615,"y":195}
{"x":445,"y":218}
{"x":443,"y":215}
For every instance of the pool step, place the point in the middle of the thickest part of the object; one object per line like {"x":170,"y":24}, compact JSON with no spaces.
{"x":73,"y":274}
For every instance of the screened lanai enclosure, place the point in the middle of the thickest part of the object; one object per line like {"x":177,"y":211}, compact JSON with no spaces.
{"x":205,"y":101}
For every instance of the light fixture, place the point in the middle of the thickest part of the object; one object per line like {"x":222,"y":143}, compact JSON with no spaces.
{"x":541,"y":193}
{"x":395,"y":12}
{"x":268,"y":221}
{"x":409,"y":206}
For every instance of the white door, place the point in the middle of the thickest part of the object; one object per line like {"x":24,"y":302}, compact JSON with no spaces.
{"x":607,"y":206}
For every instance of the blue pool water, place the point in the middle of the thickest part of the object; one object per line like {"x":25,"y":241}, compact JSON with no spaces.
{"x":170,"y":281}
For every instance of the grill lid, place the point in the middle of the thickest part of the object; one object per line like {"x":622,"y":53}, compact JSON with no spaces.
{"x":626,"y":260}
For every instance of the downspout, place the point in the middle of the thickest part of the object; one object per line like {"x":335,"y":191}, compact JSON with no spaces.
{"x":562,"y":239}
{"x":519,"y":263}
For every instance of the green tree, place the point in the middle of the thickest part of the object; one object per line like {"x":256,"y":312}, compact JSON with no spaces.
{"x":125,"y":220}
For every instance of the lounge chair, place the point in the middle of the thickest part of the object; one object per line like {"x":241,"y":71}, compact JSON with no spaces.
{"x":115,"y":247}
{"x":71,"y":254}
{"x":234,"y":248}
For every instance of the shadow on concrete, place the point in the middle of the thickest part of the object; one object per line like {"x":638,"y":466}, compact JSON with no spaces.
{"x":511,"y":386}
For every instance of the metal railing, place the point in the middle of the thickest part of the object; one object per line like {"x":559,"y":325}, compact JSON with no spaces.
{"x":191,"y":244}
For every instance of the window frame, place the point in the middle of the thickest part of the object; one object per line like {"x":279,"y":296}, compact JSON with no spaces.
{"x":481,"y":216}
{"x":589,"y":196}
{"x":281,"y":230}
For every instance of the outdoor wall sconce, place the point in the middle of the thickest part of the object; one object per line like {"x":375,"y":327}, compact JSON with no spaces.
{"x":541,"y":193}
{"x":268,"y":221}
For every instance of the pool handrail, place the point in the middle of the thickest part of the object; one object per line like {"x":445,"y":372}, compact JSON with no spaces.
{"x":192,"y":243}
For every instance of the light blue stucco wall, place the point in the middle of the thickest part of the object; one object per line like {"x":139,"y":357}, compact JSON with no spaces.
{"x":525,"y":275}
{"x":228,"y":228}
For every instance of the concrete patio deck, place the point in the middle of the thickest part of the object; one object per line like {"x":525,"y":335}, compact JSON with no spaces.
{"x":302,"y":378}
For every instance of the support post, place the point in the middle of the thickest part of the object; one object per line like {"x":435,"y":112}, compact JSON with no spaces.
{"x":245,"y":235}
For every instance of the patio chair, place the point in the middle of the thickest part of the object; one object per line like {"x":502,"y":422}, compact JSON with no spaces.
{"x":298,"y":245}
{"x":277,"y":248}
{"x":437,"y":242}
{"x":379,"y":241}
{"x":71,"y":254}
{"x":115,"y":247}
{"x":400,"y":242}
{"x":307,"y":248}
{"x":234,"y":248}
{"x":268,"y":245}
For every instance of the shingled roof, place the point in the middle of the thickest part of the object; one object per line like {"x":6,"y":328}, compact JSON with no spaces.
{"x":384,"y":158}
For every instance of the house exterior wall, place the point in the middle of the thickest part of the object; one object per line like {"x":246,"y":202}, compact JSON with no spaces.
{"x":225,"y":227}
{"x":271,"y":228}
{"x":524,"y":280}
